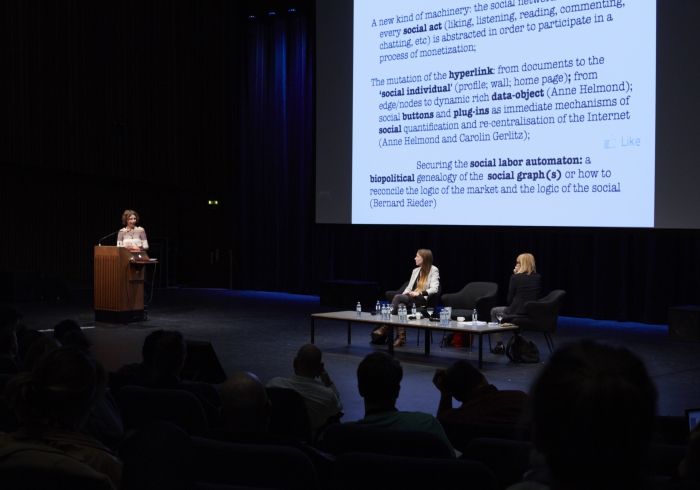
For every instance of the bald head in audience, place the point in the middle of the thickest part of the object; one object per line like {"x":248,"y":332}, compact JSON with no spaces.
{"x":308,"y":363}
{"x":245,"y":407}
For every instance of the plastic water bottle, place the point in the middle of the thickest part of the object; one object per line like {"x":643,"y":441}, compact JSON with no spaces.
{"x":474,"y":317}
{"x":377,"y":309}
{"x":402,"y":314}
{"x":358,"y":309}
{"x":413,"y":310}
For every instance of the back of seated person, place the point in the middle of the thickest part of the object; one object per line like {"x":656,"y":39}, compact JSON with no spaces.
{"x":481,"y":402}
{"x":54,"y":400}
{"x":379,"y":378}
{"x":144,"y":369}
{"x":171,"y":352}
{"x":104,"y":422}
{"x":592,"y":409}
{"x":38,"y":348}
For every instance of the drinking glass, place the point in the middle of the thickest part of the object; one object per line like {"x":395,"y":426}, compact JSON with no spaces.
{"x":500,"y":317}
{"x":430,"y":310}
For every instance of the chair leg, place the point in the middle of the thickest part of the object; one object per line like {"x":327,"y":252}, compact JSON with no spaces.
{"x":550,"y":342}
{"x":418,"y":337}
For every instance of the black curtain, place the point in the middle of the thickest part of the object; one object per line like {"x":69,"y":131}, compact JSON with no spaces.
{"x":276,"y":175}
{"x":627,"y":275}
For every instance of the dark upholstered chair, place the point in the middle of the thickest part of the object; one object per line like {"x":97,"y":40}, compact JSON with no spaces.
{"x":140,"y":406}
{"x":432,"y":301}
{"x":382,"y":472}
{"x":479,"y":295}
{"x":253,"y":465}
{"x":541,"y":316}
{"x":289,"y":416}
{"x":462,"y":433}
{"x":508,"y":460}
{"x":346,"y":438}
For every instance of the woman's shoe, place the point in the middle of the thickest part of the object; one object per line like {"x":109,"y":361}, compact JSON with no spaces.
{"x":400,"y":337}
{"x":499,"y":349}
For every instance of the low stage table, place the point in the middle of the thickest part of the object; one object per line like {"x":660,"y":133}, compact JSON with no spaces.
{"x":351,"y":317}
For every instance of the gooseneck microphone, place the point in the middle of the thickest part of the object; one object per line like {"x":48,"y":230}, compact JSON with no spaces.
{"x":111,"y":234}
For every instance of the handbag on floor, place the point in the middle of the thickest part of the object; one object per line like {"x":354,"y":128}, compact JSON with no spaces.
{"x":380,"y":335}
{"x":521,"y":350}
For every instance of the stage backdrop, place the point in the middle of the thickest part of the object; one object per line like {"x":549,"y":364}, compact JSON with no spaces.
{"x":607,"y":273}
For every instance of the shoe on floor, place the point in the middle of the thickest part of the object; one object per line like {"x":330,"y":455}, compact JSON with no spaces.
{"x":499,"y":349}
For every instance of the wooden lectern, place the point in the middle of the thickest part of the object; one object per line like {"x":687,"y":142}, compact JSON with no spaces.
{"x":119,"y":283}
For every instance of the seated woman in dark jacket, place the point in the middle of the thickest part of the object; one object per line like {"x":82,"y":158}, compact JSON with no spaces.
{"x":525,"y":284}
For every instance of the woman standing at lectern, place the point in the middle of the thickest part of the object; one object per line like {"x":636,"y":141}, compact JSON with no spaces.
{"x":131,"y":236}
{"x":425,"y":280}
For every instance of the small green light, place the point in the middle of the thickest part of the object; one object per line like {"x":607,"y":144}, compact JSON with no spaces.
{"x":213,"y":202}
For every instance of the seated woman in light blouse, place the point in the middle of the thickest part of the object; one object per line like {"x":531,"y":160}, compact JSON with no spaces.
{"x":425,"y":280}
{"x":131,"y":236}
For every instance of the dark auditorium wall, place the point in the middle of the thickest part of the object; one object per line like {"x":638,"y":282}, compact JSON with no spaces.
{"x":118,"y":104}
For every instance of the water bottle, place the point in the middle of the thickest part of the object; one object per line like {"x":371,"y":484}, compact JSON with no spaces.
{"x":402,"y":314}
{"x":442,"y":318}
{"x":377,"y":309}
{"x":358,"y":309}
{"x":474,"y":317}
{"x":414,"y":311}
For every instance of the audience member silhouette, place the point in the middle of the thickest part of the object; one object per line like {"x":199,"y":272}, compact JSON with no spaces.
{"x":144,"y":369}
{"x":8,"y":351}
{"x":481,"y":401}
{"x":38,"y":348}
{"x":104,"y":422}
{"x":592,"y":409}
{"x":321,"y":397}
{"x":171,"y":352}
{"x":54,"y":401}
{"x":245,"y":412}
{"x":379,"y":382}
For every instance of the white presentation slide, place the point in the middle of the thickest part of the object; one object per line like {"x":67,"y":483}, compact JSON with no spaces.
{"x":514,"y":112}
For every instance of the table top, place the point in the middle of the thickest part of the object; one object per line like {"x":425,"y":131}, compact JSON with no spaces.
{"x":423,"y":323}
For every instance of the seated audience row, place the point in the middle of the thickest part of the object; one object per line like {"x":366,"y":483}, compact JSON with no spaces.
{"x":592,"y":409}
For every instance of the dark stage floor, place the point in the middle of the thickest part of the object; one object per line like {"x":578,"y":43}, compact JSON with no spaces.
{"x":261,"y":332}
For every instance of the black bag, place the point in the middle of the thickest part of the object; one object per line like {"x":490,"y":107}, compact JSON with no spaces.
{"x":380,"y":335}
{"x":521,"y":350}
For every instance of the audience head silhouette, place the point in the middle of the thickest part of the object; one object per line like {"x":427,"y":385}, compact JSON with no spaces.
{"x":379,"y":380}
{"x":59,"y":391}
{"x":308,"y":363}
{"x":245,"y":407}
{"x":171,"y":351}
{"x":64,"y":327}
{"x":461,"y":379}
{"x":38,"y":348}
{"x":593,"y":409}
{"x":150,"y":343}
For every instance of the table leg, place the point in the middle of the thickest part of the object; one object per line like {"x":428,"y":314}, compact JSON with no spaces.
{"x":391,"y":339}
{"x":349,"y":327}
{"x":312,"y":330}
{"x":427,"y":341}
{"x":481,"y":340}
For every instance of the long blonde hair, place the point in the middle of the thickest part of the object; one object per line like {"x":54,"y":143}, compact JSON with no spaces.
{"x":527,"y":264}
{"x":425,"y":267}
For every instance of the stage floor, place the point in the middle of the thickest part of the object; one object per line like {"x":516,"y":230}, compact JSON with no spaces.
{"x":261,"y":333}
